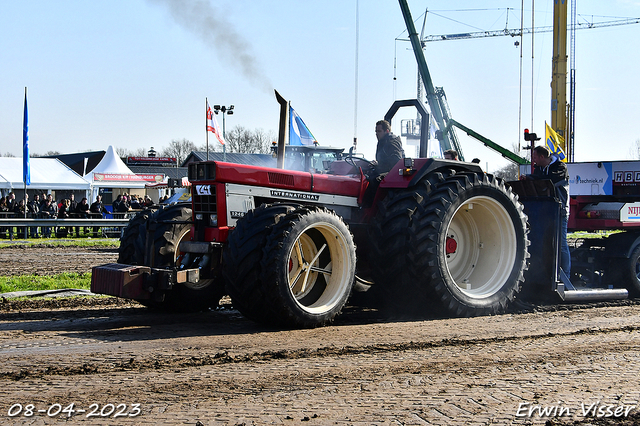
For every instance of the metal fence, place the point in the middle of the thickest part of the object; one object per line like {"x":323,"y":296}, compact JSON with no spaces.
{"x":22,"y":227}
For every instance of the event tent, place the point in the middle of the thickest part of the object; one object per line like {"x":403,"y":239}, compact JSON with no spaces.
{"x":113,"y":174}
{"x":46,"y":174}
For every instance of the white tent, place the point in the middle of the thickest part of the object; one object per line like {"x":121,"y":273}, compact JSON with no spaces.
{"x":111,"y":172}
{"x":46,"y":174}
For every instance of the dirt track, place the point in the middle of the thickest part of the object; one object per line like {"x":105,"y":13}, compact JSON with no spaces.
{"x":218,"y":368}
{"x":43,"y":260}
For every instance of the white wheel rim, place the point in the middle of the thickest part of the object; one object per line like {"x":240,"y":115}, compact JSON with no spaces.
{"x":177,"y":258}
{"x":309,"y":271}
{"x":486,"y":247}
{"x":184,"y":236}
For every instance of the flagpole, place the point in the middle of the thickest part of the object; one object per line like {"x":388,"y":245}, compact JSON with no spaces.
{"x":206,"y":123}
{"x":26,"y":168}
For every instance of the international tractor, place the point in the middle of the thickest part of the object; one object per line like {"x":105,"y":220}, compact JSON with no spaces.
{"x":288,"y":244}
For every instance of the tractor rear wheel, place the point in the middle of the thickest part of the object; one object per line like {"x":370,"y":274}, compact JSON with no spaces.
{"x":470,"y":245}
{"x":393,"y":290}
{"x":625,"y":272}
{"x":310,"y":262}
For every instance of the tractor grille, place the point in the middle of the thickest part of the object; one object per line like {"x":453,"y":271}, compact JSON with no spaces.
{"x":204,"y":210}
{"x":204,"y":204}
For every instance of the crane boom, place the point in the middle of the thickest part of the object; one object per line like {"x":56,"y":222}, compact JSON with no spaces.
{"x":517,"y":32}
{"x":432,"y":99}
{"x":559,"y":72}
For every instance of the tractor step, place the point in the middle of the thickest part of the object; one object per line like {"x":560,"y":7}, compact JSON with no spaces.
{"x":569,"y":293}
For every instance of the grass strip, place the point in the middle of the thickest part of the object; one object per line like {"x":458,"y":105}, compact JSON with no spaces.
{"x":71,"y":242}
{"x":45,"y":282}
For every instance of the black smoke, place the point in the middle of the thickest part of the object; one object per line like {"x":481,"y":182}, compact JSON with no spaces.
{"x":208,"y":24}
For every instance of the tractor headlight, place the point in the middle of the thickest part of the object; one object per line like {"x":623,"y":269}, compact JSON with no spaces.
{"x":198,"y":216}
{"x":213,"y":219}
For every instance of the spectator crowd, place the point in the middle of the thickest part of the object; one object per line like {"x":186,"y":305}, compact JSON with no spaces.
{"x":125,"y":203}
{"x":45,"y":207}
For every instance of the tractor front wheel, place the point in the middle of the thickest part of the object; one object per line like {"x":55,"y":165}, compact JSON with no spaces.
{"x":242,"y":256}
{"x":173,"y":225}
{"x":310,"y":262}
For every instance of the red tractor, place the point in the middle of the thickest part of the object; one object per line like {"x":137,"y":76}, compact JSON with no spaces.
{"x":288,"y":245}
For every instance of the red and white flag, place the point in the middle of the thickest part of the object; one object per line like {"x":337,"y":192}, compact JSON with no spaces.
{"x":212,"y":124}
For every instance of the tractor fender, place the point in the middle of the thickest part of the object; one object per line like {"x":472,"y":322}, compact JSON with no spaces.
{"x":434,"y":164}
{"x":423,"y":167}
{"x":622,"y":244}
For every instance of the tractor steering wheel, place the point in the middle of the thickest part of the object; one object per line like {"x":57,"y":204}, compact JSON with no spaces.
{"x":350,"y":157}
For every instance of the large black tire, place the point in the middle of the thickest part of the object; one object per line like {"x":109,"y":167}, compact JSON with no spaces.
{"x":243,"y":254}
{"x":306,"y":266}
{"x":173,"y":225}
{"x":394,"y":289}
{"x":625,"y":272}
{"x":131,"y":250}
{"x":469,"y":245}
{"x":310,"y":263}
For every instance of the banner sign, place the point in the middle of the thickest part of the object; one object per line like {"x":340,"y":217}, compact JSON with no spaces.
{"x":152,"y":160}
{"x":116,"y":177}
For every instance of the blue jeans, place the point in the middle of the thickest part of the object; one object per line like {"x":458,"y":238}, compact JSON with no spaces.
{"x":565,"y":254}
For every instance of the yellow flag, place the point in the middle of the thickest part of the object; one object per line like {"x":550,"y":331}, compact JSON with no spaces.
{"x":553,"y":143}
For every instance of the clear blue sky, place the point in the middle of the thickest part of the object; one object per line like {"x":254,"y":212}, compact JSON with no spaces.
{"x":135,"y":73}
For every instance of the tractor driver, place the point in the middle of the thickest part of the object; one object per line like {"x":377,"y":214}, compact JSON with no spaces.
{"x":548,"y":166}
{"x":388,"y":152}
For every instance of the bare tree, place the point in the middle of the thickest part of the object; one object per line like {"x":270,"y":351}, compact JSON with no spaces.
{"x":125,"y":152}
{"x":180,"y":149}
{"x":508,"y":172}
{"x":46,"y":154}
{"x":122,"y":152}
{"x":8,"y":154}
{"x":243,"y":140}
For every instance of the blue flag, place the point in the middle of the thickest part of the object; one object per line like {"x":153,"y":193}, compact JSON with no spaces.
{"x":26,"y":169}
{"x":299,"y":133}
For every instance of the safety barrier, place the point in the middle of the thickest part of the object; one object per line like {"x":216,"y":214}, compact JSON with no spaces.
{"x":18,"y":226}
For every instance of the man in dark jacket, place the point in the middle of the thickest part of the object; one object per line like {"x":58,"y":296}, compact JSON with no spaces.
{"x":73,"y":205}
{"x":547,"y":166}
{"x":34,"y":212}
{"x":11,"y":201}
{"x":389,"y":150}
{"x":95,"y":210}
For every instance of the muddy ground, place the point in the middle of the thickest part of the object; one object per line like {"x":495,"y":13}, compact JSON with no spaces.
{"x":545,"y":365}
{"x":45,"y":260}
